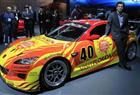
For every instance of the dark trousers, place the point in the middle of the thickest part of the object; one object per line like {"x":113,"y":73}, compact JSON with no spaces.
{"x":8,"y":32}
{"x":42,"y":28}
{"x":15,"y":29}
{"x":121,"y":47}
{"x":48,"y":27}
{"x":1,"y":33}
{"x":29,"y":28}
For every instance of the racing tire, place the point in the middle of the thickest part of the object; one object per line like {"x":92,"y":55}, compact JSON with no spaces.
{"x":54,"y":74}
{"x":131,"y":51}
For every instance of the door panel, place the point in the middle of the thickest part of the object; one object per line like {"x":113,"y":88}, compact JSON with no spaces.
{"x":93,"y":55}
{"x":83,"y":61}
{"x":104,"y":49}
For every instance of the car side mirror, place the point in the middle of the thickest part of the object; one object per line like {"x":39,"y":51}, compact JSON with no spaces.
{"x":94,"y":37}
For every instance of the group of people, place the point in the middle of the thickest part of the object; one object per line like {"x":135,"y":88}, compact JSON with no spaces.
{"x":117,"y":24}
{"x":10,"y":20}
{"x":48,"y":19}
{"x":99,"y":13}
{"x":45,"y":18}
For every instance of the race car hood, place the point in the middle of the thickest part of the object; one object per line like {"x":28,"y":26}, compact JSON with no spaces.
{"x":34,"y":47}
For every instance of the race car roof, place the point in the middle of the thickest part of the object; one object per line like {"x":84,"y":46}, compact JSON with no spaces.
{"x":90,"y":22}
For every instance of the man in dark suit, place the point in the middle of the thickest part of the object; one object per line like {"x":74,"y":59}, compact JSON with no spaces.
{"x":118,"y":26}
{"x":77,"y":13}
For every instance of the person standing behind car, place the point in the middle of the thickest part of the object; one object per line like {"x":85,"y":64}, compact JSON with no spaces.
{"x":34,"y":18}
{"x":56,"y":17}
{"x":28,"y":16}
{"x":15,"y":21}
{"x":118,"y":26}
{"x":77,"y":13}
{"x":41,"y":20}
{"x":48,"y":20}
{"x":7,"y":18}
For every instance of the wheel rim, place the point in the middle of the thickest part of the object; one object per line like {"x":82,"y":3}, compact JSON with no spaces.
{"x":132,"y":51}
{"x":55,"y":73}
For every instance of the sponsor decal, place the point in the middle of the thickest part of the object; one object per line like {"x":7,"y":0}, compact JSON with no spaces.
{"x":86,"y":54}
{"x":46,"y":39}
{"x":25,"y":44}
{"x":103,"y":45}
{"x":21,"y":67}
{"x":95,"y":62}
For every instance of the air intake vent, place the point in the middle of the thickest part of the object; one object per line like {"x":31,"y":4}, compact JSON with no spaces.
{"x":4,"y":70}
{"x":19,"y":54}
{"x":4,"y":56}
{"x":23,"y":76}
{"x":12,"y":50}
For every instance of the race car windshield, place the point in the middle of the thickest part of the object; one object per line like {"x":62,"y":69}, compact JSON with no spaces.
{"x":69,"y":31}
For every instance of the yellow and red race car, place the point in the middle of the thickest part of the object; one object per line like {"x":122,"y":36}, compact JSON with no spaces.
{"x":73,"y":49}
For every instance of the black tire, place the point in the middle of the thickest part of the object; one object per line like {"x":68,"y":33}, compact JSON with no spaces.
{"x":131,"y":51}
{"x":54,"y":74}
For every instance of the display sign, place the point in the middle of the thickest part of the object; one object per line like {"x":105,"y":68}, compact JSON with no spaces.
{"x":110,"y":3}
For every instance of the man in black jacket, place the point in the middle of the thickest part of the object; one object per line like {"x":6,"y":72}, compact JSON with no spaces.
{"x":41,"y":20}
{"x":28,"y":17}
{"x":77,"y":13}
{"x":48,"y":20}
{"x":16,"y":13}
{"x":118,"y":26}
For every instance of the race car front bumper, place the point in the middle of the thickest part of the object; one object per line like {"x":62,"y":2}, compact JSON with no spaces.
{"x":20,"y":85}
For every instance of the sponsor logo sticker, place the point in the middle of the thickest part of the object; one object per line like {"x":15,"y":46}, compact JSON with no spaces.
{"x":103,"y":45}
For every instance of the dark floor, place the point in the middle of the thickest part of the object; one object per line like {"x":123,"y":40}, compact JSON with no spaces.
{"x":109,"y":81}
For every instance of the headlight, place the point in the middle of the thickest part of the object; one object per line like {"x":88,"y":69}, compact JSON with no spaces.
{"x":26,"y":60}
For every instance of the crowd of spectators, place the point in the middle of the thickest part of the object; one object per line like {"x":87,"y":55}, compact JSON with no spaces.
{"x":28,"y":17}
{"x":46,"y":18}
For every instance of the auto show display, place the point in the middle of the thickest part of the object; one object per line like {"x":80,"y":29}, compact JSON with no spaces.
{"x":48,"y":61}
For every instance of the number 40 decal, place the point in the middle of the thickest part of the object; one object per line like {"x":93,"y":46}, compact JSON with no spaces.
{"x":89,"y":53}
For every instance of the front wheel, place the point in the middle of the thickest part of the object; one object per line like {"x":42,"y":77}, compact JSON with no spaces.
{"x":55,"y":74}
{"x":131,"y":51}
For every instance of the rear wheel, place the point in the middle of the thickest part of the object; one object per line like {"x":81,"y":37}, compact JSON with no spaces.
{"x":132,"y":51}
{"x":55,"y":74}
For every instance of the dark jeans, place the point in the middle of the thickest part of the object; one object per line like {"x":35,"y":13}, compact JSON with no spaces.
{"x":29,"y":28}
{"x":1,"y":33}
{"x":1,"y":37}
{"x":42,"y":28}
{"x":8,"y":32}
{"x":48,"y":27}
{"x":121,"y":47}
{"x":15,"y":29}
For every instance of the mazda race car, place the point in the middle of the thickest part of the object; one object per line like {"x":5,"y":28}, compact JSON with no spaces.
{"x":48,"y":61}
